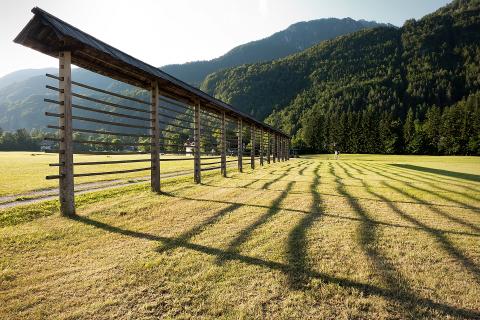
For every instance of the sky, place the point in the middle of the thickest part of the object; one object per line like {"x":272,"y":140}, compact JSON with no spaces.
{"x":162,"y":32}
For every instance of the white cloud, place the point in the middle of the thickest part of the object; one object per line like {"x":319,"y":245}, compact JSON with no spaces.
{"x":263,"y":7}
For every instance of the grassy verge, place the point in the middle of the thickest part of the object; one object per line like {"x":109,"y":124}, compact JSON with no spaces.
{"x":309,"y":238}
{"x":25,"y":171}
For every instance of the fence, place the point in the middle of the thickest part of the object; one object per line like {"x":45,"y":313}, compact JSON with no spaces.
{"x":164,"y":116}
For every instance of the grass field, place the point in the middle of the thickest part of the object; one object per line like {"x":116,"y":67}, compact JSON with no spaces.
{"x":364,"y":237}
{"x":25,"y":171}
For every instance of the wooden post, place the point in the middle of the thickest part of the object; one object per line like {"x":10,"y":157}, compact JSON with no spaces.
{"x":278,"y":148}
{"x":261,"y":146}
{"x":155,"y":140}
{"x":252,"y":150}
{"x":269,"y":149}
{"x":196,"y":139}
{"x":224,"y":146}
{"x":66,"y":183}
{"x":288,"y":150}
{"x":274,"y":151}
{"x":282,"y":148}
{"x":240,"y":145}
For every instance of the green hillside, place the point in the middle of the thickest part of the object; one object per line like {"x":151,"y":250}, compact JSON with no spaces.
{"x":295,"y":38}
{"x":386,"y":90}
{"x":22,"y":92}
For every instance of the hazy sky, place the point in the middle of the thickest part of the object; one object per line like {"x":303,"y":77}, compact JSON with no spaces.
{"x":176,"y":31}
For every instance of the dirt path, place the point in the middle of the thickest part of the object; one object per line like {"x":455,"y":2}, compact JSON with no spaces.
{"x":52,"y":193}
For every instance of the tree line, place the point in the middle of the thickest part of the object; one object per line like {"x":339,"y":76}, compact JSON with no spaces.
{"x":439,"y":131}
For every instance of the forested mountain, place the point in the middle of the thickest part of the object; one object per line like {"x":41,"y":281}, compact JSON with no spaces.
{"x":22,"y":92}
{"x":22,"y":75}
{"x":22,"y":105}
{"x":385,"y":90}
{"x":295,"y":38}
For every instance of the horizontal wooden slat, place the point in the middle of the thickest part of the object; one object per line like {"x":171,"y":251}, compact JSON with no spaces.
{"x":173,"y":118}
{"x":173,"y":125}
{"x":101,"y":162}
{"x":115,"y":114}
{"x":110,"y":172}
{"x":108,"y":143}
{"x":110,"y":122}
{"x":111,"y":104}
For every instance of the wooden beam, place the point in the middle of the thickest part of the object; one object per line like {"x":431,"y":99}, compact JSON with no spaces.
{"x":240,"y":144}
{"x":269,"y":149}
{"x":252,"y":149}
{"x":155,"y":140}
{"x":196,"y":139}
{"x":224,"y":147}
{"x":281,"y":150}
{"x":261,"y":146}
{"x":288,"y":149}
{"x":66,"y":183}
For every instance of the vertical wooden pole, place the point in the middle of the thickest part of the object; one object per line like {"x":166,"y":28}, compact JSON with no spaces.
{"x":155,"y":140}
{"x":261,"y":146}
{"x":240,"y":145}
{"x":269,"y":149}
{"x":66,"y":183}
{"x":224,"y":146}
{"x":282,"y":148}
{"x":196,"y":139}
{"x":252,"y":151}
{"x":274,"y":151}
{"x":288,"y":150}
{"x":278,"y":148}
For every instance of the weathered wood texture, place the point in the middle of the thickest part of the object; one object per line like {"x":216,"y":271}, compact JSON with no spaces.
{"x":269,"y":149}
{"x":252,"y":149}
{"x":196,"y":139}
{"x":155,"y":140}
{"x":224,"y":147}
{"x":66,"y":183}
{"x":261,"y":146}
{"x":240,"y":144}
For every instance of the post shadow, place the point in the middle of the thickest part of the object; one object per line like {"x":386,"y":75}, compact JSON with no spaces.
{"x":440,"y":237}
{"x":427,"y":180}
{"x":367,"y":238}
{"x":452,"y":174}
{"x":430,"y":206}
{"x":297,"y":239}
{"x":365,"y":288}
{"x":245,"y":234}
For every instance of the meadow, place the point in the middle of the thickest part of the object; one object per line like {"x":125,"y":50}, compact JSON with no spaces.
{"x":23,"y":172}
{"x":362,"y":237}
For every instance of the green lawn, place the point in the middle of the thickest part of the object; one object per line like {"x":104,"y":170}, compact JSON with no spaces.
{"x":25,"y":171}
{"x":364,"y":237}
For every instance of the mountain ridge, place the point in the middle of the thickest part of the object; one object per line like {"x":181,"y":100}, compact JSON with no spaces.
{"x":277,"y":45}
{"x":345,"y":87}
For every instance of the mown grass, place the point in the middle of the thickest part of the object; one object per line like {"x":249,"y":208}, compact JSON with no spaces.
{"x":310,"y":238}
{"x":25,"y":171}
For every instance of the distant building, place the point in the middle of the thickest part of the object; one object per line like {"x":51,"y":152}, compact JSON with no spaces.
{"x":189,"y":147}
{"x":46,"y":146}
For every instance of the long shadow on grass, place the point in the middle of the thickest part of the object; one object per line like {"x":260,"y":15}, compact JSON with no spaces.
{"x":436,"y":185}
{"x":440,"y":237}
{"x":367,"y":234}
{"x":453,"y":174}
{"x":297,"y":239}
{"x":420,"y":200}
{"x":364,"y":288}
{"x":283,"y":175}
{"x":273,"y":209}
{"x":435,"y":178}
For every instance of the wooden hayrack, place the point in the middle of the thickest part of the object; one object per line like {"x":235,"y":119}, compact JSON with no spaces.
{"x":174,"y":107}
